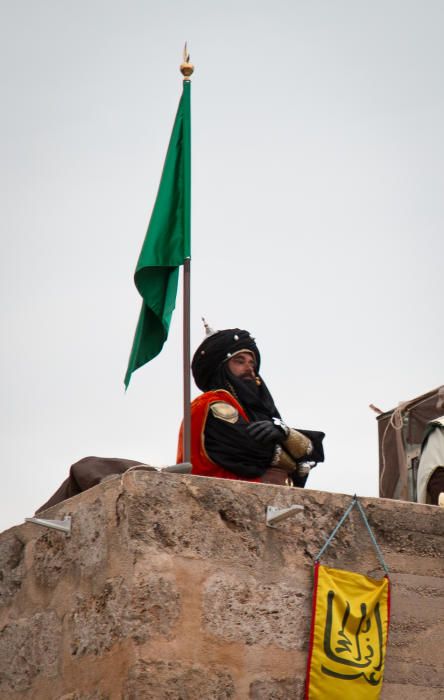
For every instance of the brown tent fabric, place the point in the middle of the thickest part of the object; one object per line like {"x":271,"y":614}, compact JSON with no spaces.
{"x":84,"y":474}
{"x":90,"y":471}
{"x":400,"y":433}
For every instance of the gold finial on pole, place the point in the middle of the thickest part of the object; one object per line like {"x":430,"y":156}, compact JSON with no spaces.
{"x":186,"y":68}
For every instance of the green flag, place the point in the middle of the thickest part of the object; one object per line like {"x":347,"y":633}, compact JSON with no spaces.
{"x":167,"y":244}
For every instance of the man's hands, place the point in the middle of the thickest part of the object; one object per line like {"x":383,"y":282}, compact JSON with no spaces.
{"x":266,"y":432}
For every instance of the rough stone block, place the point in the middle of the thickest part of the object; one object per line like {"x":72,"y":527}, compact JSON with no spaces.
{"x":11,"y":566}
{"x":394,"y":691}
{"x":241,"y":608}
{"x":159,"y":680}
{"x":159,"y":519}
{"x":419,"y":673}
{"x":417,"y":617}
{"x":95,"y":695}
{"x":277,"y":689}
{"x":150,"y":609}
{"x":29,"y":647}
{"x":82,"y":554}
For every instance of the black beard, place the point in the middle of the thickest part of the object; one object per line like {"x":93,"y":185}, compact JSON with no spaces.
{"x":254,"y":398}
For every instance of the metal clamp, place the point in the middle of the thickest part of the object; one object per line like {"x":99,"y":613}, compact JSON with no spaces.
{"x":275,"y":515}
{"x":62,"y":525}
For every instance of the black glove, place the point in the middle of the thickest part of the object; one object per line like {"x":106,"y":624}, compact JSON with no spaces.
{"x":265,"y":432}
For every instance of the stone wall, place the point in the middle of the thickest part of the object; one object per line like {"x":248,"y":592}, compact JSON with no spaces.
{"x":173,"y":587}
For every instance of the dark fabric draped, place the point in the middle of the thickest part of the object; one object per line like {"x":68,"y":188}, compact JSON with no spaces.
{"x":255,"y":400}
{"x":230,"y":446}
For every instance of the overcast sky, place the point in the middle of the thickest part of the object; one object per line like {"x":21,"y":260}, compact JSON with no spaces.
{"x":317,"y":216}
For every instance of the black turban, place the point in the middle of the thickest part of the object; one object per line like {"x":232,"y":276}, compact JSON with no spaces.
{"x":216,"y":349}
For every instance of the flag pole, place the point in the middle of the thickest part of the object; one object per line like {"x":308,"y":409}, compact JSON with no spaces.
{"x":187,"y":70}
{"x":186,"y":362}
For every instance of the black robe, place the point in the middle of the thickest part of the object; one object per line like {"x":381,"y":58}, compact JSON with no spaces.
{"x":231,"y":446}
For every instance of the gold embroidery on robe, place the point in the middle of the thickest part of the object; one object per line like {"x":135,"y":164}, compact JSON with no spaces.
{"x":224,"y":411}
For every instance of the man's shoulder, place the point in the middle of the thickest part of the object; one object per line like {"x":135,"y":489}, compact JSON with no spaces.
{"x":217,"y":395}
{"x":220,"y":399}
{"x":224,"y":411}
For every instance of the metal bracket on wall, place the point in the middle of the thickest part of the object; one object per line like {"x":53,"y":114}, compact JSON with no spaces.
{"x":275,"y":515}
{"x":62,"y":525}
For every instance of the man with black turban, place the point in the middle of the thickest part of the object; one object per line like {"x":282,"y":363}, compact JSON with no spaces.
{"x":236,"y":429}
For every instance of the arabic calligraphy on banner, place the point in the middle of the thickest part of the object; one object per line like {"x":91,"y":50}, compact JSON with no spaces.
{"x":348,"y":636}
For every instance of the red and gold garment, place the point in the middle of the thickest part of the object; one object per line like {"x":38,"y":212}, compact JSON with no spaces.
{"x":203,"y":465}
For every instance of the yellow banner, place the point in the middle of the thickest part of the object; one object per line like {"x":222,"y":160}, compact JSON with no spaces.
{"x":348,"y":639}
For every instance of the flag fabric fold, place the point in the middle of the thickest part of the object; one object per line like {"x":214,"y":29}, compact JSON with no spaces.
{"x":167,"y":244}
